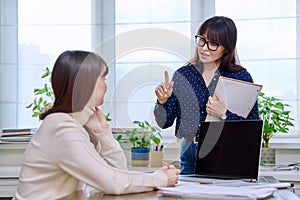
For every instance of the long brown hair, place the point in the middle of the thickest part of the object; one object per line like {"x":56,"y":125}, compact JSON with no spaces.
{"x":73,"y":80}
{"x":223,"y":30}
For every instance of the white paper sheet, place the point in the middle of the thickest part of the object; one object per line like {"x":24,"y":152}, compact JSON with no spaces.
{"x":239,"y":96}
{"x":211,"y":191}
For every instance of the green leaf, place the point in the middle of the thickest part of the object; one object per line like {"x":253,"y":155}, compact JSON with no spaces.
{"x":137,"y":122}
{"x":107,"y":117}
{"x":119,"y":137}
{"x":35,"y":114}
{"x":28,"y":106}
{"x":147,"y":124}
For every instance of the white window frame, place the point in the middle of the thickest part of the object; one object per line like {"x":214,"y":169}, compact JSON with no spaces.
{"x":103,"y":14}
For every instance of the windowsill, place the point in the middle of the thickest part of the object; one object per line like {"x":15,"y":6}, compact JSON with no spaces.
{"x":287,"y":148}
{"x":280,"y":142}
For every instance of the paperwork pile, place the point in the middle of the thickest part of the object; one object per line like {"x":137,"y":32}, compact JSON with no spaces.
{"x":16,"y":135}
{"x":238,"y":96}
{"x":200,"y":191}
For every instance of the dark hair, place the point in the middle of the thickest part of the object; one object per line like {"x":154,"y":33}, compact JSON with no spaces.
{"x":223,"y":30}
{"x":73,"y":80}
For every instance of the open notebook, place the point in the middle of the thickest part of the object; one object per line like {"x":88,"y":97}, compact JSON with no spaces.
{"x":228,"y":151}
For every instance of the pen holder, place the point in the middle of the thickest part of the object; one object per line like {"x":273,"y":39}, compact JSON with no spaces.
{"x":156,"y":158}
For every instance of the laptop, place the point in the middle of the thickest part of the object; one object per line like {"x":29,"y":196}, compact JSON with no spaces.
{"x":227,"y":151}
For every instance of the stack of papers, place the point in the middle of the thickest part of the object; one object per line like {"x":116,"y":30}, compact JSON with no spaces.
{"x":238,"y":96}
{"x":275,"y":167}
{"x":16,"y":135}
{"x":210,"y":191}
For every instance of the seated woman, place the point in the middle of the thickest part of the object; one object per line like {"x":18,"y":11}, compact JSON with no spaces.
{"x":74,"y":145}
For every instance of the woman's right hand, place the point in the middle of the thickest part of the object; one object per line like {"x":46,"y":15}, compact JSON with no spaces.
{"x":164,"y":90}
{"x":172,"y":173}
{"x":97,"y":121}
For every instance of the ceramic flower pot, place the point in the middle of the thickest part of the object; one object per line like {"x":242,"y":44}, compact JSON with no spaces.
{"x":267,"y":156}
{"x":140,"y":156}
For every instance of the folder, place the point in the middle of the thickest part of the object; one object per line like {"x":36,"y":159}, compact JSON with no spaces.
{"x":239,"y":96}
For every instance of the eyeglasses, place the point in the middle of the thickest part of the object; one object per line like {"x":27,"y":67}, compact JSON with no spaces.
{"x":211,"y":45}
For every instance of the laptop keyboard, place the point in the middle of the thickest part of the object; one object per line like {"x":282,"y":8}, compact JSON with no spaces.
{"x":267,"y":179}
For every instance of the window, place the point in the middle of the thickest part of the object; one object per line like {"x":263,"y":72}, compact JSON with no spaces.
{"x":148,"y":39}
{"x":139,"y":41}
{"x":42,"y":30}
{"x":267,"y":45}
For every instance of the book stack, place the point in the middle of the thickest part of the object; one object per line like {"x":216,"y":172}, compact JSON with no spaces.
{"x":16,"y":135}
{"x":13,"y":143}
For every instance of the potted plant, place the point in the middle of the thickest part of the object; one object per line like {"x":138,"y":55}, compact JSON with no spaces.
{"x":43,"y":96}
{"x":141,"y":139}
{"x":276,"y":120}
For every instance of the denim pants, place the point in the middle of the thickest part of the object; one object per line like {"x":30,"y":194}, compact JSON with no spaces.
{"x":188,"y":153}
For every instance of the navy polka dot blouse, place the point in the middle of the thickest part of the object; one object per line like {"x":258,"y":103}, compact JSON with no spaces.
{"x":187,"y":104}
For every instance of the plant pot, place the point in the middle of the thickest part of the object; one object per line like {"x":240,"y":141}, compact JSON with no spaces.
{"x":267,"y":156}
{"x":140,"y":156}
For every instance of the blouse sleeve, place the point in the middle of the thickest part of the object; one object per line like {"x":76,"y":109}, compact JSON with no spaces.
{"x":166,"y":114}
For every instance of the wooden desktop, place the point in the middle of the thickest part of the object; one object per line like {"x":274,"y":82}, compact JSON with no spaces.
{"x":278,"y":195}
{"x":12,"y":155}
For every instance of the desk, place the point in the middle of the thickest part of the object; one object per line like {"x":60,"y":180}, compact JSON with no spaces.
{"x":278,"y":195}
{"x":291,"y":176}
{"x":9,"y":181}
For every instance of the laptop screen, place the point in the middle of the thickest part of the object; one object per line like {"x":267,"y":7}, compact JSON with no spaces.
{"x":229,"y":149}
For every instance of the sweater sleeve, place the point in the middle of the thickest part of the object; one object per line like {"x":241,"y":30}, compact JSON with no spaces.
{"x":110,"y":149}
{"x":77,"y":156}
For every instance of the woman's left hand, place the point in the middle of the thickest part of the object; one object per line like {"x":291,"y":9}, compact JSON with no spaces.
{"x":216,"y":106}
{"x":172,"y":174}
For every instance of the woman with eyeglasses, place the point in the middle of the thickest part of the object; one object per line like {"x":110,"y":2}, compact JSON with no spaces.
{"x":187,"y":99}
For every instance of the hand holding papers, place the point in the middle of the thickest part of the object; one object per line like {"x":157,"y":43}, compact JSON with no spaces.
{"x":239,"y":96}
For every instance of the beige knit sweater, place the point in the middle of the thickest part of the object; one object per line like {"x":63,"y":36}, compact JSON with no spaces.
{"x":60,"y":159}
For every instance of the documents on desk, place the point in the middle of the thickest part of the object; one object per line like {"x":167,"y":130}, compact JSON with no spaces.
{"x":276,"y":167}
{"x":16,"y":135}
{"x":214,"y":191}
{"x":239,"y":96}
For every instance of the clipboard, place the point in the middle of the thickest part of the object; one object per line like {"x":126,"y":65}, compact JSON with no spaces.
{"x":239,"y":96}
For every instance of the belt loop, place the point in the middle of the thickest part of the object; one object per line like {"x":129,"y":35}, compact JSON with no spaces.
{"x":196,"y":140}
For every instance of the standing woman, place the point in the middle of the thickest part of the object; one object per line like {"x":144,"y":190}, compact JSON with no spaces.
{"x":188,"y":97}
{"x":74,"y":144}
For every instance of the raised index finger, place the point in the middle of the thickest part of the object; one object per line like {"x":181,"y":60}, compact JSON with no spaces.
{"x":167,"y":79}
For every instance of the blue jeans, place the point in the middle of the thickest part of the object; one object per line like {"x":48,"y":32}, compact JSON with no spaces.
{"x":188,"y":153}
